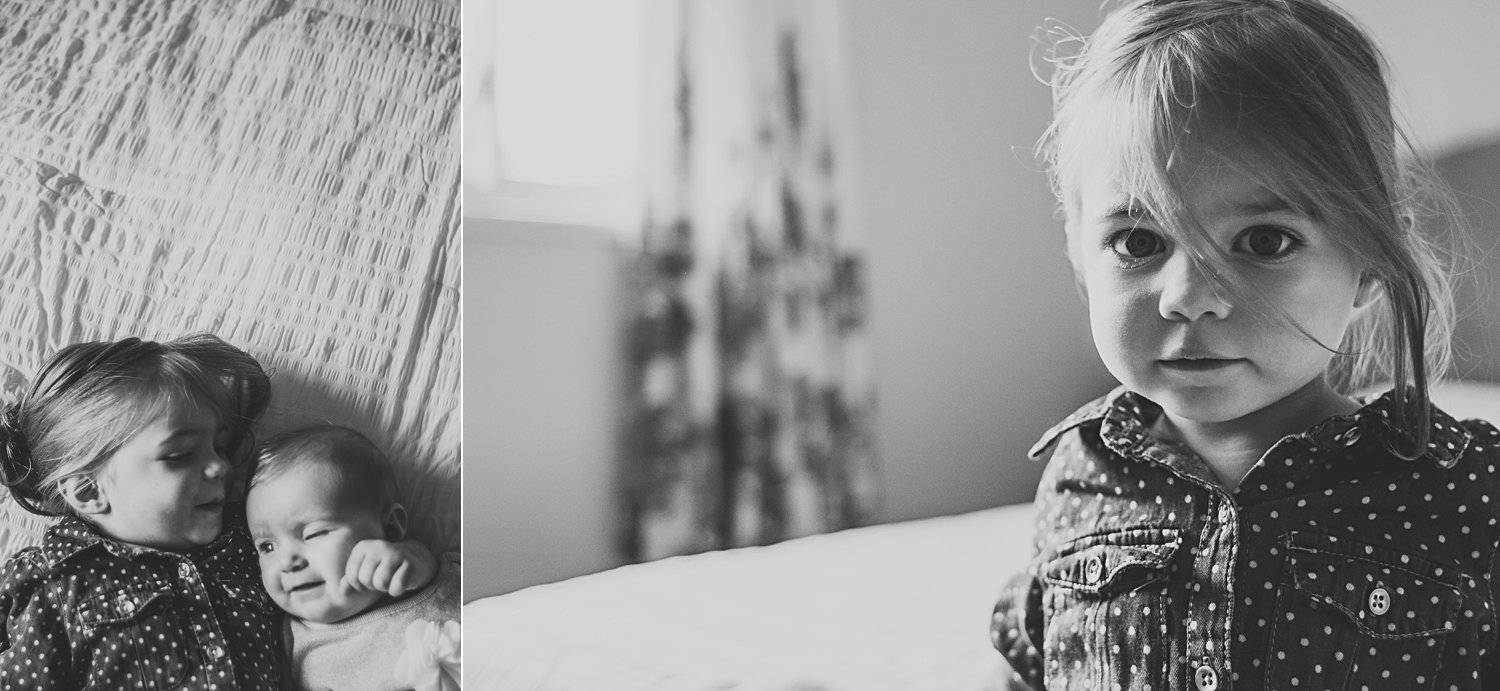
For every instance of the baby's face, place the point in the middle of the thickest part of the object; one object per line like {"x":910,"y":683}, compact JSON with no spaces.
{"x":1166,"y":330}
{"x":303,"y":535}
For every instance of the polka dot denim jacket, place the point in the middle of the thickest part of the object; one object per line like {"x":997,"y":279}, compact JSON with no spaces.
{"x":1334,"y":565}
{"x":82,"y":611}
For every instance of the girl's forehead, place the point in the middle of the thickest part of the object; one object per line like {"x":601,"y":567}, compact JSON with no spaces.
{"x":175,"y":411}
{"x":1207,"y":189}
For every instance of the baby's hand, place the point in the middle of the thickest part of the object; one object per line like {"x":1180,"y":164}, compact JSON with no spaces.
{"x":389,"y":567}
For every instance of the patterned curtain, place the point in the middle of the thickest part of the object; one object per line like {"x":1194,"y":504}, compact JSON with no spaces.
{"x":752,"y":394}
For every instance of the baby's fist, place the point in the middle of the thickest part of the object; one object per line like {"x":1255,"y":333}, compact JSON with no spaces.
{"x":389,"y":567}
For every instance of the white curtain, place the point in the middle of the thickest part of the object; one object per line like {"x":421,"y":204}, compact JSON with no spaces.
{"x":752,"y":400}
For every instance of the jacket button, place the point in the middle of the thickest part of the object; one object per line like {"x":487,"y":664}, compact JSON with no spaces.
{"x":1380,"y":601}
{"x":1094,"y":570}
{"x":126,"y":604}
{"x":216,"y":651}
{"x":1206,"y":679}
{"x":185,"y":571}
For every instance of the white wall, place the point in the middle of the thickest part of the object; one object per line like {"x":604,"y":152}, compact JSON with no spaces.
{"x":542,"y":368}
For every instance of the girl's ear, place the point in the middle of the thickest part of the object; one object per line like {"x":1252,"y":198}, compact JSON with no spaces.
{"x":84,"y":495}
{"x":1369,"y":291}
{"x":395,"y":523}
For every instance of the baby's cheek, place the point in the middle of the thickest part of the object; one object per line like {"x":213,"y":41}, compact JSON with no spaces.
{"x":267,"y":576}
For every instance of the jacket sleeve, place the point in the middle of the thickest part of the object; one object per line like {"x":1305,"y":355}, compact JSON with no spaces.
{"x":1016,"y":631}
{"x":34,"y":647}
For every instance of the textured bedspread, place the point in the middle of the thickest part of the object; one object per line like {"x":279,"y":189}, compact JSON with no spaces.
{"x":283,"y":173}
{"x":904,"y":607}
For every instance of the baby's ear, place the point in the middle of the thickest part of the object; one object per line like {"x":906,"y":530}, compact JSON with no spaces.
{"x":395,"y":523}
{"x":84,"y":495}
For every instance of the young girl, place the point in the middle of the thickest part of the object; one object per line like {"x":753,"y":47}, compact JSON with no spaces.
{"x":149,"y":580}
{"x":1249,"y":243}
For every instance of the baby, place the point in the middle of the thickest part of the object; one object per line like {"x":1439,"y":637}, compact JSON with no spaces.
{"x":320,"y":500}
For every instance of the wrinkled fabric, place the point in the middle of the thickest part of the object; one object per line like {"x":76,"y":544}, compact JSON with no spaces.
{"x":82,"y":611}
{"x":1334,"y":563}
{"x":282,"y":174}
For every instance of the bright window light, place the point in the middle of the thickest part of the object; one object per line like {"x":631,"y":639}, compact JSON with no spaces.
{"x":566,"y":90}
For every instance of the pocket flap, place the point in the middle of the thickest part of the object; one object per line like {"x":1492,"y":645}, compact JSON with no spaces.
{"x":250,"y":593}
{"x":1113,"y":562}
{"x":123,"y":604}
{"x":1385,"y":593}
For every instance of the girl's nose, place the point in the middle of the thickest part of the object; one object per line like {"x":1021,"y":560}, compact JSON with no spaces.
{"x":217,"y":468}
{"x":1188,"y":292}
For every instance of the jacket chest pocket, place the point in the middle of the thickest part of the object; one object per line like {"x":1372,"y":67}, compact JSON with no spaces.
{"x":1105,"y":596}
{"x":135,"y":638}
{"x":1353,"y":615}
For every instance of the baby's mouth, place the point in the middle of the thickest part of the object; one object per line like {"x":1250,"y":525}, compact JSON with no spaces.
{"x":303,"y":587}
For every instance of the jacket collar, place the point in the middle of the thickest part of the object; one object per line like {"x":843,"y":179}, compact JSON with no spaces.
{"x":73,"y":536}
{"x":1124,"y":417}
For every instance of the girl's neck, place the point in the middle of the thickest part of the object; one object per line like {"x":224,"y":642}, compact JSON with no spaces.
{"x":1231,"y":447}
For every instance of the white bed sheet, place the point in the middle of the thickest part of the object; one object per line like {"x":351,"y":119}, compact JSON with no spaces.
{"x":903,"y":606}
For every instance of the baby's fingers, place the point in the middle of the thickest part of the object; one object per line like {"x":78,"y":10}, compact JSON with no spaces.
{"x":357,"y":572}
{"x":399,"y":580}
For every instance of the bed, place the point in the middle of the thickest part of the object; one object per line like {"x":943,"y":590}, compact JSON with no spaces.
{"x":898,"y":606}
{"x":283,"y":173}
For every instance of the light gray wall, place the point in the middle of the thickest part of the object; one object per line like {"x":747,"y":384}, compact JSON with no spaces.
{"x":982,"y":340}
{"x":542,"y":370}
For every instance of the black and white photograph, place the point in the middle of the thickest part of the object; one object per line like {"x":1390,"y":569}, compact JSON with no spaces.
{"x":792,"y":345}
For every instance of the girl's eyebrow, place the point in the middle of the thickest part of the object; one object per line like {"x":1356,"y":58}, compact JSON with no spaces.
{"x":1260,"y":206}
{"x":182,"y":432}
{"x":1133,"y":210}
{"x":1128,"y":210}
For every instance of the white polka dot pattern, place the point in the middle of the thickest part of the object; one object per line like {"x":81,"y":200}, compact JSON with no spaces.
{"x":85,"y":612}
{"x":1334,"y":564}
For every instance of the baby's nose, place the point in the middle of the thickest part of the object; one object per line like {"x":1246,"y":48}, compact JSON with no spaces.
{"x":292,"y":561}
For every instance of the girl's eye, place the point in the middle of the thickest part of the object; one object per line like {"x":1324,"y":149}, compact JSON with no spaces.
{"x":315,"y":533}
{"x":1267,"y":242}
{"x":1136,"y":243}
{"x":265,"y":548}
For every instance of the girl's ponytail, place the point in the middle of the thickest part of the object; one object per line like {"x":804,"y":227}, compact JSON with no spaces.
{"x":17,"y":472}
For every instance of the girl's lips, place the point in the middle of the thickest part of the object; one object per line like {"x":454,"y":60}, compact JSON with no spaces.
{"x":1200,"y":364}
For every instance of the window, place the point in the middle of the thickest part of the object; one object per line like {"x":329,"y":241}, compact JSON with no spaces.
{"x":551,"y":130}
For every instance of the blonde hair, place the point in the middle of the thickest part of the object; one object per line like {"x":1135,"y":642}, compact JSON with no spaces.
{"x":1295,"y":93}
{"x":92,"y":397}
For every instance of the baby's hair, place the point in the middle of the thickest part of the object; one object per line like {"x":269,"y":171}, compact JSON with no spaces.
{"x":1292,"y":93}
{"x":92,"y":397}
{"x":359,"y":468}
